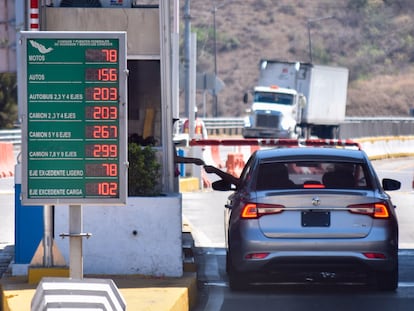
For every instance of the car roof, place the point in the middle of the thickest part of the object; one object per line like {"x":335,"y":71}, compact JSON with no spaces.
{"x":323,"y":153}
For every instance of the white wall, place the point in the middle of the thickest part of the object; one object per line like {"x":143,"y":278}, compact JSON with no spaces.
{"x":114,"y":248}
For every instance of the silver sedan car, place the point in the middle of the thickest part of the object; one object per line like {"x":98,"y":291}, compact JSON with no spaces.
{"x":311,"y":214}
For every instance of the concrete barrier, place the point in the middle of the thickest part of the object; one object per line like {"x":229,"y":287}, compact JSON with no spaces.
{"x":375,"y":147}
{"x":387,"y":146}
{"x":7,"y":161}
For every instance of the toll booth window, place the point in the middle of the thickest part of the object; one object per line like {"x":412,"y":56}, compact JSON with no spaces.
{"x":144,"y":99}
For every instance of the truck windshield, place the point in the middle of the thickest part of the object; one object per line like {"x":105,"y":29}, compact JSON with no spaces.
{"x":273,"y":98}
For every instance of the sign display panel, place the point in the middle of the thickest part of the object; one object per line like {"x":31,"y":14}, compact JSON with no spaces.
{"x":74,"y":147}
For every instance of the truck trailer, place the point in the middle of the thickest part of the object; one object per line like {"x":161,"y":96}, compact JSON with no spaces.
{"x":294,"y":99}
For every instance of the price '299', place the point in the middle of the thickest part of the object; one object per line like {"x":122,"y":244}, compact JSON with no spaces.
{"x":101,"y":150}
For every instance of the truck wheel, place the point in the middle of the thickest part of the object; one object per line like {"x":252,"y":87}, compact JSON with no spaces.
{"x":298,"y":131}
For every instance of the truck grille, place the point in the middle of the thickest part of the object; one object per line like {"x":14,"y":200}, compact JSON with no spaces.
{"x":267,"y":120}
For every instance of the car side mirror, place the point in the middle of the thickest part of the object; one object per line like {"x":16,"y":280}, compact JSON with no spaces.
{"x":390,"y":184}
{"x":302,"y":100}
{"x":222,"y":185}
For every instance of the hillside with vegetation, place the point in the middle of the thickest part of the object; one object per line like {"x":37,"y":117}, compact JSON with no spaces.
{"x":374,"y":39}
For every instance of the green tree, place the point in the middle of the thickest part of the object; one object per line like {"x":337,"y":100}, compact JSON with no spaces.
{"x":8,"y":100}
{"x":144,"y":171}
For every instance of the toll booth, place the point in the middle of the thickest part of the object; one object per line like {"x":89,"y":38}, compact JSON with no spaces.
{"x":149,"y":117}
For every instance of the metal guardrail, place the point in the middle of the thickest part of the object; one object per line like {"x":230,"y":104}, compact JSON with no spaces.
{"x":353,"y":127}
{"x":14,"y":136}
{"x":224,"y":126}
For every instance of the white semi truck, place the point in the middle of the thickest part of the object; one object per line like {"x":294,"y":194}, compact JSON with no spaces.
{"x":294,"y":99}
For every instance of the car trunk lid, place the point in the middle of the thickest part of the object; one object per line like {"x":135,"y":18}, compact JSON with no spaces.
{"x":315,"y":215}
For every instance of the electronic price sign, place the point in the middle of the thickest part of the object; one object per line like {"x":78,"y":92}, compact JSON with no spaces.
{"x":74,"y":147}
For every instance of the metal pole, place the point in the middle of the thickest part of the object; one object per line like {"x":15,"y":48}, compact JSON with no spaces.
{"x":175,"y":41}
{"x":215,"y":104}
{"x":166,"y":97}
{"x":310,"y":21}
{"x":75,"y":242}
{"x":47,"y":236}
{"x":310,"y":42}
{"x":192,"y":85}
{"x":187,"y":30}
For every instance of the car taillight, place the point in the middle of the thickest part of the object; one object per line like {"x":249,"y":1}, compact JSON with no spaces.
{"x":256,"y":255}
{"x":375,"y":255}
{"x":255,"y":210}
{"x":375,"y":210}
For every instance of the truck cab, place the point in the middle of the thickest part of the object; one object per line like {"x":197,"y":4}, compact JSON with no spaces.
{"x":274,"y":113}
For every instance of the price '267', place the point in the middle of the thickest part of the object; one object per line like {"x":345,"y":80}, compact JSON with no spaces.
{"x":101,"y":131}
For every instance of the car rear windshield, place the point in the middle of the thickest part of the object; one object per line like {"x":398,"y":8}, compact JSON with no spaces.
{"x":312,"y":175}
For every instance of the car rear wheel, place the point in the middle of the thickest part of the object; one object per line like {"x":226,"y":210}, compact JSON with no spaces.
{"x":237,"y":280}
{"x":387,"y":280}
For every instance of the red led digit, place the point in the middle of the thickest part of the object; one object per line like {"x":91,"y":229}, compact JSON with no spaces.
{"x":101,"y":74}
{"x":101,"y":131}
{"x":113,"y":74}
{"x":97,"y":91}
{"x":111,"y":169}
{"x":107,"y":74}
{"x":102,"y":112}
{"x":105,"y":93}
{"x":97,"y":153}
{"x":110,"y":151}
{"x":107,"y":113}
{"x":113,"y":93}
{"x":113,"y":112}
{"x":101,"y":93}
{"x":101,"y":170}
{"x":97,"y":112}
{"x":110,"y":55}
{"x":107,"y":131}
{"x":102,"y":188}
{"x":107,"y":188}
{"x":101,"y":150}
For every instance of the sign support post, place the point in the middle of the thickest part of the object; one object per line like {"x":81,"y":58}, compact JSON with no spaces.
{"x":47,"y":236}
{"x":75,"y":242}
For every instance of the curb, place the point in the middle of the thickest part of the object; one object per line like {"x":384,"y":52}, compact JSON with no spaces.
{"x":139,"y":292}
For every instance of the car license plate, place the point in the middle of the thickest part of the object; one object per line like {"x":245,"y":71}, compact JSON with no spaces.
{"x":316,"y":219}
